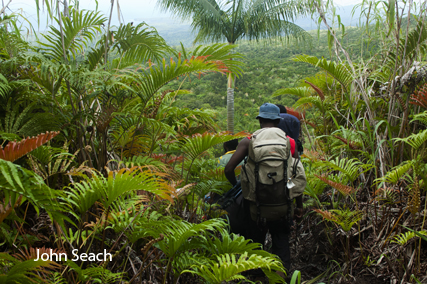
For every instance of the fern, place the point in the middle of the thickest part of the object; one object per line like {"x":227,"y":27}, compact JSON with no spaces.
{"x":198,"y":144}
{"x":228,"y":267}
{"x":22,"y":272}
{"x":344,"y":218}
{"x":396,"y":173}
{"x":97,"y":274}
{"x":342,"y":188}
{"x":337,"y":70}
{"x":351,"y":168}
{"x":308,"y":102}
{"x":15,"y":150}
{"x":109,"y":190}
{"x":421,"y":117}
{"x":403,"y":238}
{"x":415,"y":140}
{"x":141,"y":161}
{"x":15,"y":181}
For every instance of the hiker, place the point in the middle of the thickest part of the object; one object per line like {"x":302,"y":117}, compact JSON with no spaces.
{"x":291,"y":125}
{"x":280,"y":227}
{"x":229,"y":149}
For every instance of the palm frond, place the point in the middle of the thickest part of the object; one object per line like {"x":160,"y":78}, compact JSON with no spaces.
{"x":214,"y":58}
{"x":79,"y":31}
{"x":137,"y":44}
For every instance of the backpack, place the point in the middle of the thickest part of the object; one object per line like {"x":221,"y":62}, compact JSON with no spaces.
{"x":271,"y":178}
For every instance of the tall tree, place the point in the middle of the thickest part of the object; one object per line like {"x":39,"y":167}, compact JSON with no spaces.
{"x":231,"y":20}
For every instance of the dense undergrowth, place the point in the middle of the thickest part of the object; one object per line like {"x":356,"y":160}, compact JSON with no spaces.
{"x":118,"y":165}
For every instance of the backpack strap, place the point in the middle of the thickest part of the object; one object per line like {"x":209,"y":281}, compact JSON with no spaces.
{"x":295,"y":167}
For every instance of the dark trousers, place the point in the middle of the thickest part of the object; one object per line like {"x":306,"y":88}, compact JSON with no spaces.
{"x":279,"y":231}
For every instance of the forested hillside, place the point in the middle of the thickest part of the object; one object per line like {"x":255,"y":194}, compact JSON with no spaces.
{"x":110,"y":139}
{"x":269,"y":66}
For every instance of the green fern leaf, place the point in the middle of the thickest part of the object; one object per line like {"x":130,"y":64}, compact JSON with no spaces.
{"x":415,"y":140}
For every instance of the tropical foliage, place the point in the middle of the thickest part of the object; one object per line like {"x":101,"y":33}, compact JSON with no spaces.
{"x":109,"y":140}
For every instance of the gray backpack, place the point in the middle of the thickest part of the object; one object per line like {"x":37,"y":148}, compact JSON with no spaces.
{"x":271,"y":178}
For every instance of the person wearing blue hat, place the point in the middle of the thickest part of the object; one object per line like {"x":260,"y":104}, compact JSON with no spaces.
{"x":269,"y":116}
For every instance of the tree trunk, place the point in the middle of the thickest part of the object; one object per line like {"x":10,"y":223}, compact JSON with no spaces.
{"x":230,"y":105}
{"x":230,"y":102}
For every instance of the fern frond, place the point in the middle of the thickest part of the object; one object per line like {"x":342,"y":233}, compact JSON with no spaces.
{"x":414,"y":198}
{"x":342,"y":188}
{"x":118,"y":183}
{"x":387,"y":195}
{"x":403,"y":238}
{"x":97,"y":274}
{"x":415,"y":140}
{"x":396,"y":173}
{"x":33,"y":253}
{"x":15,"y":150}
{"x":346,"y":218}
{"x":337,"y":70}
{"x":351,"y":168}
{"x":15,"y":181}
{"x":308,"y":102}
{"x":22,"y":272}
{"x":297,"y":114}
{"x":351,"y":144}
{"x":229,"y":266}
{"x":197,"y":144}
{"x":325,"y":214}
{"x":421,"y":117}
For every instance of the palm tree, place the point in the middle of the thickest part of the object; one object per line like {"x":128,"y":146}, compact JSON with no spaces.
{"x":231,"y":20}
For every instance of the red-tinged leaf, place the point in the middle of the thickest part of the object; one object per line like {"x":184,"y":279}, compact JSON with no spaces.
{"x":295,"y":113}
{"x":419,"y":97}
{"x":15,"y":150}
{"x":350,"y":144}
{"x":342,"y":188}
{"x":317,"y":89}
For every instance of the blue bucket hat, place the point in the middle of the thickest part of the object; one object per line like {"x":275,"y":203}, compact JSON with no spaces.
{"x":269,"y":111}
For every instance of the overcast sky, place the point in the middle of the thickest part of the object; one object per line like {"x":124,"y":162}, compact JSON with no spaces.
{"x":131,"y":9}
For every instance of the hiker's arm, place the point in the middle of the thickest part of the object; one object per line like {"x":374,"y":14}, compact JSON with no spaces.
{"x":296,"y":154}
{"x":238,"y":156}
{"x":298,"y":212}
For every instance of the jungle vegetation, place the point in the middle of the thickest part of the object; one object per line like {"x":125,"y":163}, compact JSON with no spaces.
{"x":109,"y":143}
